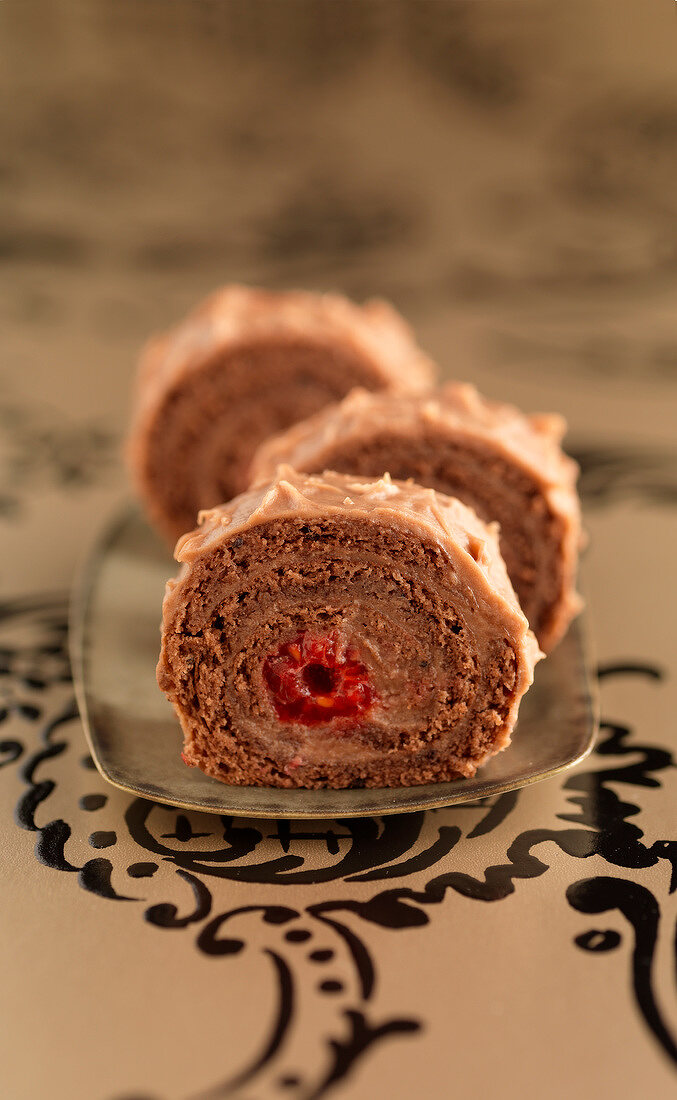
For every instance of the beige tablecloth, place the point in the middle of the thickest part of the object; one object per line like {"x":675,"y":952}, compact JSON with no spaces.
{"x":505,"y":172}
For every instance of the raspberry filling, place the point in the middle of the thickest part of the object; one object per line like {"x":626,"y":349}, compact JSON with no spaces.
{"x":315,"y":679}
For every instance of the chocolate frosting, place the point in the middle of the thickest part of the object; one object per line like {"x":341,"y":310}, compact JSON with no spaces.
{"x":532,"y":442}
{"x":238,"y":314}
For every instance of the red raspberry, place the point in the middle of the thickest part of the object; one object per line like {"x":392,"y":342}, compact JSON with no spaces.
{"x":313,"y":680}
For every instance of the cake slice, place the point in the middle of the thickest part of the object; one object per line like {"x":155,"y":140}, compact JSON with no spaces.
{"x":510,"y":468}
{"x":242,"y":365}
{"x":332,"y":631}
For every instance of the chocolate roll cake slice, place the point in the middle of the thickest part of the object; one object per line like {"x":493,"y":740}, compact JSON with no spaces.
{"x":245,"y":364}
{"x":510,"y":468}
{"x":327,"y":631}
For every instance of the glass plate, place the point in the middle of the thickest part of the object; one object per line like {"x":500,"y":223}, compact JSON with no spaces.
{"x":135,"y":738}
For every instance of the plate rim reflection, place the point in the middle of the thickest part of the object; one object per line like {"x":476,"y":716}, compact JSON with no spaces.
{"x":279,"y":802}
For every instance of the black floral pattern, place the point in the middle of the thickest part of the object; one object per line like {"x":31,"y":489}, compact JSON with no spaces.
{"x":415,"y":861}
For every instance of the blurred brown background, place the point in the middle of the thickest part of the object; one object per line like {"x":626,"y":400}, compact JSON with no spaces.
{"x":504,"y":171}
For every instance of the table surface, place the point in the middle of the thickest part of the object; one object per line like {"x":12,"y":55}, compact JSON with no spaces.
{"x":505,"y":173}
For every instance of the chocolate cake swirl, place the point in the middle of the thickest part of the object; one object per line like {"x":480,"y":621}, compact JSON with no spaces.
{"x":244,"y":364}
{"x":327,"y":631}
{"x":510,"y":468}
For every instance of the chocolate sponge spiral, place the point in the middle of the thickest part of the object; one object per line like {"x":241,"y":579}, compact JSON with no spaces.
{"x":242,"y":365}
{"x":327,"y":631}
{"x":508,"y":467}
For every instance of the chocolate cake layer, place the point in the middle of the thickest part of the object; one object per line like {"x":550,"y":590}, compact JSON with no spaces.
{"x":245,"y":364}
{"x":327,"y":631}
{"x":510,"y":468}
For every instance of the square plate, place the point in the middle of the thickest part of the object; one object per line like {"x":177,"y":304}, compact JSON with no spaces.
{"x":135,"y":738}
